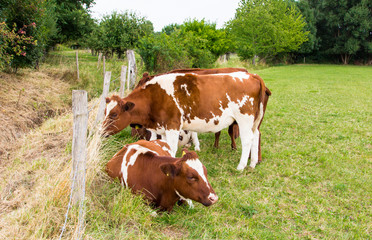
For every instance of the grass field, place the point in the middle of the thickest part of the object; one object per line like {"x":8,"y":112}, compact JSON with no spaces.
{"x":315,"y":181}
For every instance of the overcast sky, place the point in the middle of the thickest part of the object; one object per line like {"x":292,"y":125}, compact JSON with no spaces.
{"x":164,"y":12}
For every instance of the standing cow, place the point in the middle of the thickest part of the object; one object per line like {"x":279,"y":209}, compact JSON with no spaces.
{"x":196,"y":102}
{"x":147,"y":167}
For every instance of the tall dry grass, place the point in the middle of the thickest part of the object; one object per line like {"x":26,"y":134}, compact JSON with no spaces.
{"x":34,"y":191}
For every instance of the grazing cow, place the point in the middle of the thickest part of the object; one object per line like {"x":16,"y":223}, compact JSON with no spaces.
{"x":234,"y":130}
{"x":148,"y":168}
{"x":196,"y":102}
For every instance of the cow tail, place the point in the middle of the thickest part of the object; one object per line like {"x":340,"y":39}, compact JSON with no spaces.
{"x":260,"y":111}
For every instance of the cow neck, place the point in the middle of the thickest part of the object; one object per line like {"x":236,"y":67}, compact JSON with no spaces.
{"x":139,"y":114}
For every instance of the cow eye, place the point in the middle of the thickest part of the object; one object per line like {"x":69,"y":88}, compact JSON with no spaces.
{"x":191,"y":178}
{"x":113,"y":115}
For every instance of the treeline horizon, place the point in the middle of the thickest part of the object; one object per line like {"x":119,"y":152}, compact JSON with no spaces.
{"x":268,"y":31}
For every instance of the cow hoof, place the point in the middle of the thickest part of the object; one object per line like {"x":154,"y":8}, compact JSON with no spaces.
{"x":240,"y":168}
{"x":197,"y":149}
{"x":153,"y":214}
{"x":252,"y":166}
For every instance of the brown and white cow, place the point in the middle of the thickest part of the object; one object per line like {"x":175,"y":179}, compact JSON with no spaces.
{"x":196,"y":102}
{"x":148,"y":168}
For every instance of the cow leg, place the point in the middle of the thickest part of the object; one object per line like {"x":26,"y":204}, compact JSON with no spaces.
{"x":195,"y":140}
{"x":246,"y":136}
{"x":232,"y":137}
{"x":172,"y":139}
{"x":217,"y":139}
{"x":254,"y":149}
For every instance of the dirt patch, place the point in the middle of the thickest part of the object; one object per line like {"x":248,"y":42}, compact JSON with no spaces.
{"x":26,"y":101}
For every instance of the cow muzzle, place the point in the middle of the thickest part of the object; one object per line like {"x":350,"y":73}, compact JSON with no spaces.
{"x":212,"y":199}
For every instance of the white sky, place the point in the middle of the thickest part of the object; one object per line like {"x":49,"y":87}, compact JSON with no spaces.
{"x":164,"y":12}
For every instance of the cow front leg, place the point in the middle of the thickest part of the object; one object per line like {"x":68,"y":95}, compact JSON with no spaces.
{"x":172,"y":140}
{"x":246,"y":136}
{"x":195,"y":141}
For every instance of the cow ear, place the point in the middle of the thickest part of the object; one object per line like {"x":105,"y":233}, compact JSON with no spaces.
{"x":170,"y":169}
{"x":185,"y":151}
{"x":128,"y":106}
{"x":108,"y":100}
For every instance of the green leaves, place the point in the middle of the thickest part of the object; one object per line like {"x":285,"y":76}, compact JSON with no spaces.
{"x":266,"y":28}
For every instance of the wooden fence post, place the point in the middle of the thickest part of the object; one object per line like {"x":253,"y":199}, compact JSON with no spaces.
{"x":132,"y":69}
{"x":122,"y":80}
{"x":79,"y":152}
{"x":128,"y":77}
{"x":102,"y":104}
{"x":104,"y":65}
{"x":77,"y":64}
{"x":99,"y":59}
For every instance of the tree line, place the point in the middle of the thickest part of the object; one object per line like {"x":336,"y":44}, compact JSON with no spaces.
{"x":272,"y":31}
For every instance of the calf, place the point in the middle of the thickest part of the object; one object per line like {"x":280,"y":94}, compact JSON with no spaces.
{"x":148,"y":168}
{"x":185,"y":138}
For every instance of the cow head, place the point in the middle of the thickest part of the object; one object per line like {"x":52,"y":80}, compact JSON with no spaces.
{"x":190,"y":179}
{"x":117,"y":115}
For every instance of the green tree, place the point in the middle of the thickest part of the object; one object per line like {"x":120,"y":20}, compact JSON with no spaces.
{"x":266,"y":28}
{"x":344,"y":27}
{"x":122,"y":31}
{"x":73,"y":20}
{"x":161,"y":52}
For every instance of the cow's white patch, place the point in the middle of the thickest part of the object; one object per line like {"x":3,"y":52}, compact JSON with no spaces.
{"x":236,"y":75}
{"x":184,"y":86}
{"x":166,"y":82}
{"x":110,"y":106}
{"x":198,"y":167}
{"x":251,"y":100}
{"x":132,"y":160}
{"x":189,"y":201}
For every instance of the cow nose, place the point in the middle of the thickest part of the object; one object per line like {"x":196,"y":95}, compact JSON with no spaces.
{"x":213,"y":198}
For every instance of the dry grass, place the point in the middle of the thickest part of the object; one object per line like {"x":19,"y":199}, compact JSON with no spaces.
{"x":34,"y":191}
{"x":26,"y":100}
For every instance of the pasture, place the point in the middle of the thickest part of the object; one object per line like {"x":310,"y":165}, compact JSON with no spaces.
{"x":315,"y":181}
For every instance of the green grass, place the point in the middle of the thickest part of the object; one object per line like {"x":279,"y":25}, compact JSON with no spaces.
{"x":315,"y":181}
{"x":90,"y":73}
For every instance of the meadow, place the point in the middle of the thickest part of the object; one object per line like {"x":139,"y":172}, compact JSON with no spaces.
{"x":315,"y":180}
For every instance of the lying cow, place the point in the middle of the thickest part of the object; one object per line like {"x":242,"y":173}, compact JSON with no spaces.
{"x":196,"y":102}
{"x":148,"y":168}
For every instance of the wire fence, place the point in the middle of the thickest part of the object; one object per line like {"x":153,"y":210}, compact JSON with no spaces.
{"x":80,"y":125}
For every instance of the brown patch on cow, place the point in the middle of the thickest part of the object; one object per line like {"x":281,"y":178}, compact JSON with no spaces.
{"x":216,"y":122}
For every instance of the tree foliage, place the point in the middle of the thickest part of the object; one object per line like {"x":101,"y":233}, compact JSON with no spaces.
{"x":73,"y":20}
{"x":191,"y":44}
{"x":118,"y":32}
{"x":30,"y":25}
{"x":266,"y":28}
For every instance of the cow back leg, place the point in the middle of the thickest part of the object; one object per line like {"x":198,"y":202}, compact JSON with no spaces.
{"x":172,"y":140}
{"x":254,"y":148}
{"x":195,"y":141}
{"x":246,"y":135}
{"x":232,"y":136}
{"x":217,"y":139}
